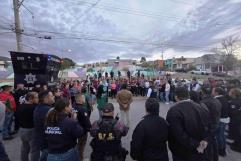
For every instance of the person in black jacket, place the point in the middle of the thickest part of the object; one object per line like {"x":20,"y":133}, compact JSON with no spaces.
{"x":46,"y":99}
{"x":214,"y":107}
{"x":62,"y":132}
{"x":219,"y":93}
{"x":26,"y":131}
{"x":235,"y":119}
{"x":188,"y":128}
{"x":84,"y":121}
{"x":112,"y":74}
{"x":18,"y":94}
{"x":149,"y":139}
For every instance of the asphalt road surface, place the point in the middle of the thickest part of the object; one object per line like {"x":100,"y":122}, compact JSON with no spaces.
{"x":137,"y":111}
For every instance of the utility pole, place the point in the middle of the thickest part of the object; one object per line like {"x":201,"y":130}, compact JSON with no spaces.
{"x":18,"y":31}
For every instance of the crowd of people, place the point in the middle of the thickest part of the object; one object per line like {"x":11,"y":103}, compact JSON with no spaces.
{"x":54,"y":122}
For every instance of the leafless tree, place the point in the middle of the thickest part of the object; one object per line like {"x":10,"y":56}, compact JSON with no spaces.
{"x":229,"y":50}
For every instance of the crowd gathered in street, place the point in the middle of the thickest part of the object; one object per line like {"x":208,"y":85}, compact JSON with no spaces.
{"x":53,"y":122}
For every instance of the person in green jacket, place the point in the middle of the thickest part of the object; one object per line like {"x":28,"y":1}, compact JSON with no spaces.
{"x":101,"y":99}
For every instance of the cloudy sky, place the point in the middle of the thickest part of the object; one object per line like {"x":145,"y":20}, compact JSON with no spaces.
{"x":95,"y":30}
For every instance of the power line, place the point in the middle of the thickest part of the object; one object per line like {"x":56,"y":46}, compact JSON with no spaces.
{"x":89,"y":38}
{"x":183,"y":2}
{"x":142,"y":13}
{"x":90,"y":8}
{"x":61,"y":35}
{"x":6,"y":21}
{"x":135,"y":12}
{"x":2,"y":33}
{"x":192,"y":47}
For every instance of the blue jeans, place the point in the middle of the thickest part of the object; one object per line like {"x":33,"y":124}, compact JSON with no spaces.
{"x":44,"y":155}
{"x":7,"y":124}
{"x":167,"y":93}
{"x":3,"y":154}
{"x":172,"y":96}
{"x":221,"y":138}
{"x":71,"y":155}
{"x":161,"y":96}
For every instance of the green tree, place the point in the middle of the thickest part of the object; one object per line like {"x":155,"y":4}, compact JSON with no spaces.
{"x":118,"y":57}
{"x":67,"y":63}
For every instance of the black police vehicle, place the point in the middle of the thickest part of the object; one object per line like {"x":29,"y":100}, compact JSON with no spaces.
{"x":31,"y":68}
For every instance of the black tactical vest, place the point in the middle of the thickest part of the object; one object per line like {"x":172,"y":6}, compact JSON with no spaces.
{"x":108,"y":139}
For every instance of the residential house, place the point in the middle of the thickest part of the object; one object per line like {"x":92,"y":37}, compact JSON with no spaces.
{"x":120,"y":63}
{"x":209,"y":63}
{"x":182,"y":63}
{"x":168,"y":64}
{"x":159,"y":64}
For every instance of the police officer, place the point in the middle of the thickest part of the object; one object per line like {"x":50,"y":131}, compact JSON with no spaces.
{"x":62,"y":132}
{"x":235,"y":119}
{"x":107,"y":133}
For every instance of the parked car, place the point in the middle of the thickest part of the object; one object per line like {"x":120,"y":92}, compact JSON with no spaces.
{"x":220,"y":74}
{"x":200,"y":72}
{"x":181,"y":70}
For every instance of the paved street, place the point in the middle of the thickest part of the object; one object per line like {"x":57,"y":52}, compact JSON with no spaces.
{"x":137,"y":111}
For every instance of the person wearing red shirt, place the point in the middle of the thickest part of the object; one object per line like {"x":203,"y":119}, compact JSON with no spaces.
{"x":7,"y":98}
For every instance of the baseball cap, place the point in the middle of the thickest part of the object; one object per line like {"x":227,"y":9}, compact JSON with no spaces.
{"x":109,"y":107}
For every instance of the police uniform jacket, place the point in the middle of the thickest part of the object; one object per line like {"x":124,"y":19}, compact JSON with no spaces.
{"x":62,"y":136}
{"x":107,"y":135}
